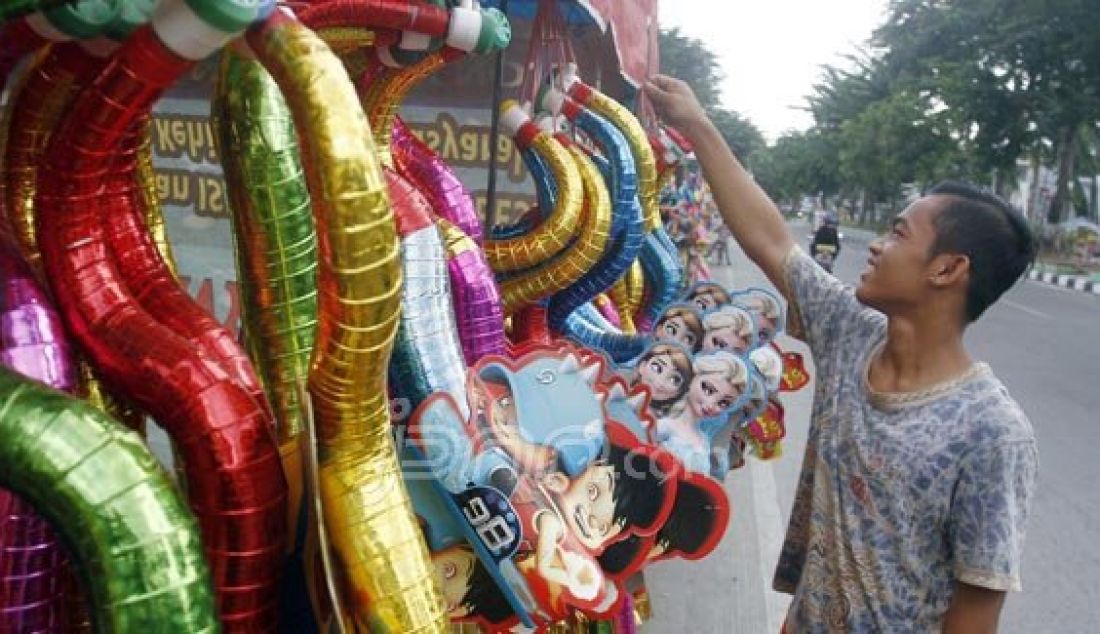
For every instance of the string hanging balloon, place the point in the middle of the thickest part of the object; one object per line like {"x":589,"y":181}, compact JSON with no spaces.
{"x":474,"y":291}
{"x":427,"y":355}
{"x":627,"y":295}
{"x":658,"y":255}
{"x":567,"y":266}
{"x":382,"y":88}
{"x":619,"y":257}
{"x":50,"y":86}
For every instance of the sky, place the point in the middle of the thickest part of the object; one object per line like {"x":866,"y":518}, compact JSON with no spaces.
{"x":771,"y":51}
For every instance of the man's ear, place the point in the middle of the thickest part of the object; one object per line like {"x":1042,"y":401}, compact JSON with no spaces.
{"x":949,"y":269}
{"x":556,"y":481}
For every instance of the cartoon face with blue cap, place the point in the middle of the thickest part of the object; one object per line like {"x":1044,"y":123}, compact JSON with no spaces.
{"x":497,"y":417}
{"x":546,"y":415}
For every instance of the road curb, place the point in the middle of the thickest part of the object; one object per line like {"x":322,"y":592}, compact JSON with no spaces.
{"x":1072,"y":282}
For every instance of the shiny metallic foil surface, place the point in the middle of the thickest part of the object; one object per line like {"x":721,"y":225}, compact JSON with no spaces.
{"x":474,"y":291}
{"x":449,"y":197}
{"x":383,"y":563}
{"x":33,"y":566}
{"x":234,"y":479}
{"x":663,"y":275}
{"x":132,"y":538}
{"x":427,"y":356}
{"x":50,"y":85}
{"x":383,"y":89}
{"x":551,"y":236}
{"x":150,"y":199}
{"x":644,"y":162}
{"x":626,"y":222}
{"x":580,"y":256}
{"x":627,"y":295}
{"x":587,"y":326}
{"x":276,"y":246}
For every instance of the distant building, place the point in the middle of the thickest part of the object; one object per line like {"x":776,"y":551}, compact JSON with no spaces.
{"x":1034,"y":198}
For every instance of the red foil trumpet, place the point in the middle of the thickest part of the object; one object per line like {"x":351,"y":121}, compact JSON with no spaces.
{"x":234,"y":478}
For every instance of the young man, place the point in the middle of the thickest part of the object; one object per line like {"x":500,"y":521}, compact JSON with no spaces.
{"x":919,"y":468}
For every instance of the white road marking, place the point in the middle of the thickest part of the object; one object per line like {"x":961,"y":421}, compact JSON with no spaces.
{"x":1030,"y":311}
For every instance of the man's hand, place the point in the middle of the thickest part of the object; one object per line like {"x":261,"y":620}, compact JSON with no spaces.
{"x":675,"y":103}
{"x":753,"y":219}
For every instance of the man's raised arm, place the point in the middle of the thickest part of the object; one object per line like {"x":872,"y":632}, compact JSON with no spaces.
{"x":752,"y":217}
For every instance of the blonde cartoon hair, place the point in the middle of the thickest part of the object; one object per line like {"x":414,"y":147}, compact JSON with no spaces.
{"x":729,"y":365}
{"x":761,"y":301}
{"x":730,"y":317}
{"x":770,"y":366}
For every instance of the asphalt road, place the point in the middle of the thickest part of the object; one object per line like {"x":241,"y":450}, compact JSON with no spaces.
{"x":1044,"y":343}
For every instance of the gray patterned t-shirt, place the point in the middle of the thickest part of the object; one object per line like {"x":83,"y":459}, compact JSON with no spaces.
{"x":901,"y":495}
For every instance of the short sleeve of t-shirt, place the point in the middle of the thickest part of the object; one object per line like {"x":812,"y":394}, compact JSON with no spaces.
{"x":989,"y":513}
{"x":821,"y":306}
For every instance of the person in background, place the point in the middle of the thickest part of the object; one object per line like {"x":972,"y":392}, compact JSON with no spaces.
{"x":920,"y":469}
{"x":719,"y":252}
{"x":697,"y":269}
{"x":825,"y":246}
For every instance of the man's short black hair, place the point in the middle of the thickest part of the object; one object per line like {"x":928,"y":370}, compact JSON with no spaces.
{"x":483,"y":598}
{"x":988,"y":231}
{"x":639,"y":487}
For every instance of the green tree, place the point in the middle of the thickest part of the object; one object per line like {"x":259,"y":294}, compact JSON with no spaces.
{"x":799,"y":164}
{"x":1016,"y":77}
{"x":743,"y":137}
{"x":893,"y":141}
{"x":689,"y":59}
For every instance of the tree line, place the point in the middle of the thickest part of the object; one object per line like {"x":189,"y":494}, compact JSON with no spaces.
{"x":980,"y":90}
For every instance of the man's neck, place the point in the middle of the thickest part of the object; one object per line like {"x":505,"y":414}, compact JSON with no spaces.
{"x":918,"y":354}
